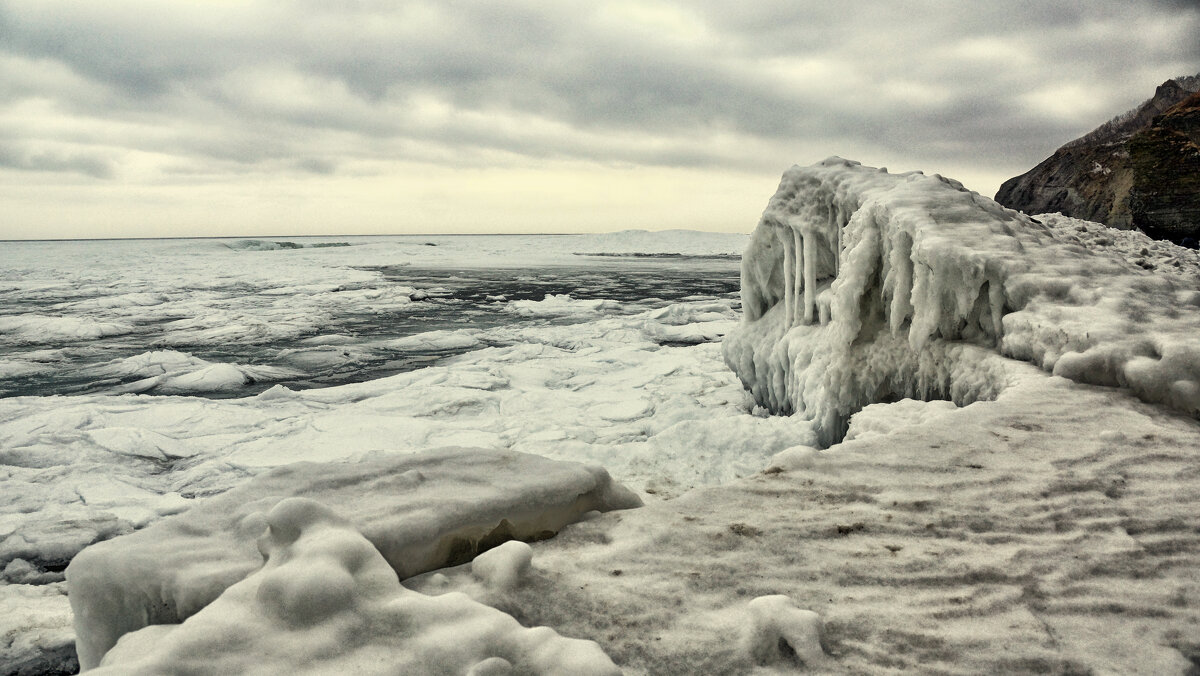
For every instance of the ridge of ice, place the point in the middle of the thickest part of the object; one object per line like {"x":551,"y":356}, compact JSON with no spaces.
{"x":421,"y":512}
{"x":172,"y":372}
{"x":326,"y":601}
{"x":860,"y":286}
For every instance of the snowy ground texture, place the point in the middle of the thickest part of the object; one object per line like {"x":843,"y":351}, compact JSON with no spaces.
{"x":1040,"y":514}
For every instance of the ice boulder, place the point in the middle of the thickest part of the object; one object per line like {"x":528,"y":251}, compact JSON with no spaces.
{"x":420,"y":512}
{"x":860,"y":286}
{"x":781,"y":632}
{"x":327,"y":602}
{"x":503,"y":568}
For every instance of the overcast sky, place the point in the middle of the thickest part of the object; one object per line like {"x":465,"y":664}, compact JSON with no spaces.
{"x":127,"y":118}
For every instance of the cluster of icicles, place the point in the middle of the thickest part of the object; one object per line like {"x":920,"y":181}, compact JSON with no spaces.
{"x":861,"y":286}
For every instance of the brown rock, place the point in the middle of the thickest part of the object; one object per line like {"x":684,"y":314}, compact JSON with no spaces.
{"x":1140,"y":170}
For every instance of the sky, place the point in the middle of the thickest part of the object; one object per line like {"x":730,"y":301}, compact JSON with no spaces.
{"x":137,"y":118}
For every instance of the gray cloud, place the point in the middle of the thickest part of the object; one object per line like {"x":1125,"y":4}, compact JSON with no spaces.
{"x":48,"y":160}
{"x":259,"y":84}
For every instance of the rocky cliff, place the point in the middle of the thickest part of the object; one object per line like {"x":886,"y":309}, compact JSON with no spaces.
{"x":1139,"y":170}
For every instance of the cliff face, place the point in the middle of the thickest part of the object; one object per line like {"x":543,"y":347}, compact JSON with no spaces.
{"x":1142,"y":169}
{"x":1165,"y":163}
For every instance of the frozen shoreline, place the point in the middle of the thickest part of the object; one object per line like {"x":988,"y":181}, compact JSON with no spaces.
{"x":1048,"y":527}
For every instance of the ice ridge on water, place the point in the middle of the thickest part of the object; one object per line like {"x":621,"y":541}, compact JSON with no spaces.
{"x":861,"y":286}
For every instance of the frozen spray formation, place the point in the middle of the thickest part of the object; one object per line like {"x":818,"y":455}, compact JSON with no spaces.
{"x":860,"y":286}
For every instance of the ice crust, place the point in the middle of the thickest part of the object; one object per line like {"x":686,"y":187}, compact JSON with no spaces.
{"x":327,"y":602}
{"x":420,"y":512}
{"x":861,"y":286}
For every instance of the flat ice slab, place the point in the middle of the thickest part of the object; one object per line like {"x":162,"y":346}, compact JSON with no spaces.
{"x":420,"y":512}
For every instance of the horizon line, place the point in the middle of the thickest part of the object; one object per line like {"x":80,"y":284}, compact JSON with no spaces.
{"x":415,"y":234}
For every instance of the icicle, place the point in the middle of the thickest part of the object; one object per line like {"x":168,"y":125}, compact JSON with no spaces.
{"x":902,"y":288}
{"x":996,"y":300}
{"x":789,"y":272}
{"x":810,"y":281}
{"x":798,"y":243}
{"x":837,"y":253}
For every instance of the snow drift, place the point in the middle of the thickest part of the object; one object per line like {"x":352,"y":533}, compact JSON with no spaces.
{"x":860,"y":286}
{"x":420,"y":512}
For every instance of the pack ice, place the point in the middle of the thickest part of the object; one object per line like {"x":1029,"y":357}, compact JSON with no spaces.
{"x":861,"y":286}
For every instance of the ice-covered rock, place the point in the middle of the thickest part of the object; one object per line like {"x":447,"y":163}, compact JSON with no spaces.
{"x":861,"y":286}
{"x":326,"y":601}
{"x":421,"y":512}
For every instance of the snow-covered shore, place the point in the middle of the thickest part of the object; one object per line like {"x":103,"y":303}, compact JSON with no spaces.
{"x":1041,"y":519}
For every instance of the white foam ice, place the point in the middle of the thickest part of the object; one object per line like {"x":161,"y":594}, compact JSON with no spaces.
{"x":436,"y":340}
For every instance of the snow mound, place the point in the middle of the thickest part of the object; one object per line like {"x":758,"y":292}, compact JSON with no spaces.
{"x":421,"y":512}
{"x":326,"y":601}
{"x":503,"y":567}
{"x":780,"y":632}
{"x":690,"y":323}
{"x":861,"y":286}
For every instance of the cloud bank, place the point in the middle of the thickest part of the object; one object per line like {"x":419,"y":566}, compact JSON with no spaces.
{"x":185,"y":111}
